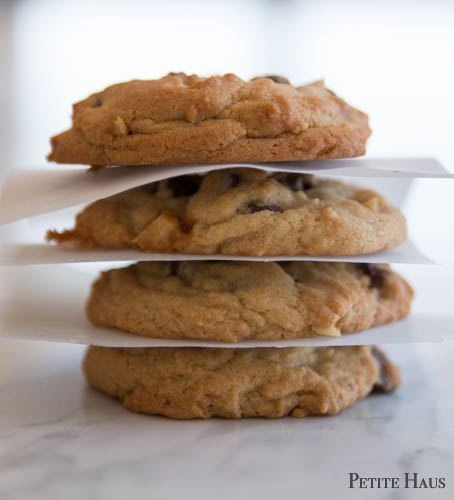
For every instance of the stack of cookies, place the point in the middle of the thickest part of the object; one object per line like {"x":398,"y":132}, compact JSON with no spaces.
{"x":245,"y":212}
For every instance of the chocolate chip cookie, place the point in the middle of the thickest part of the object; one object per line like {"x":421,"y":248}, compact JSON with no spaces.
{"x":233,"y":301}
{"x":181,"y":119}
{"x":185,"y":383}
{"x":241,"y":212}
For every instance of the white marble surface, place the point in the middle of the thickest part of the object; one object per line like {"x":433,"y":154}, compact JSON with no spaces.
{"x":61,"y":440}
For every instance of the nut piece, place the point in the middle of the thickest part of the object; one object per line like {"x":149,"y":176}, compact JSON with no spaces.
{"x":372,"y":203}
{"x":160,"y":234}
{"x":330,"y":331}
{"x":191,"y":114}
{"x":120,"y":127}
{"x":330,"y":213}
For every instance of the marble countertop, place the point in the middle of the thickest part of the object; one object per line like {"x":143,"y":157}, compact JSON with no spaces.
{"x":60,"y":439}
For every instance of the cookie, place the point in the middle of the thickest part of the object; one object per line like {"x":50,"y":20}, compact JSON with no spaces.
{"x":186,"y":383}
{"x":233,"y":301}
{"x":181,"y":119}
{"x":241,"y":212}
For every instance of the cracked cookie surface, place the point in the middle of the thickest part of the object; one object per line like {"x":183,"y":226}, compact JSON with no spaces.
{"x":185,"y":383}
{"x":241,"y":212}
{"x":234,"y":301}
{"x":184,"y":119}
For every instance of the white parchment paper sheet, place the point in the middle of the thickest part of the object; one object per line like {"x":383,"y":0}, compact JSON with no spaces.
{"x":28,"y":254}
{"x":31,"y":192}
{"x":39,"y":303}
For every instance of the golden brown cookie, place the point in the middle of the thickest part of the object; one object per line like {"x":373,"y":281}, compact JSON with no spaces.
{"x":181,"y":119}
{"x":234,"y":301}
{"x":241,"y":212}
{"x":186,"y":383}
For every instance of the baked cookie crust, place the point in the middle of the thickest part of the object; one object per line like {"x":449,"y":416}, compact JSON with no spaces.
{"x":184,"y":119}
{"x":187,"y":383}
{"x":241,"y":212}
{"x":233,"y":301}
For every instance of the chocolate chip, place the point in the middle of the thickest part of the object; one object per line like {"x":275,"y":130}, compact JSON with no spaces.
{"x":259,"y":207}
{"x":385,"y":381}
{"x":152,"y":187}
{"x":278,"y":79}
{"x":296,"y":182}
{"x":186,"y":185}
{"x":179,"y":74}
{"x":376,"y":274}
{"x":96,"y":101}
{"x":173,"y":267}
{"x":234,"y":180}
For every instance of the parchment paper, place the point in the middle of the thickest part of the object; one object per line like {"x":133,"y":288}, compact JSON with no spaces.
{"x":41,"y":253}
{"x":31,"y":192}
